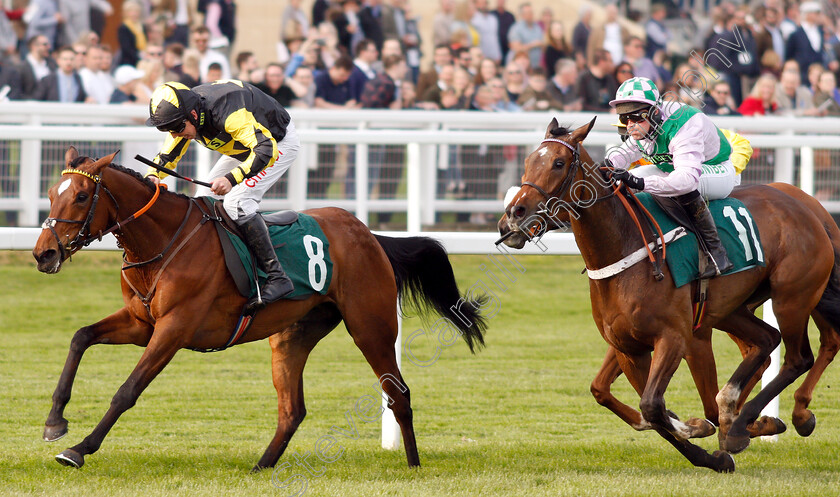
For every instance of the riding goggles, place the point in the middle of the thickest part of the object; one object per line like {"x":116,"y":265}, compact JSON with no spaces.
{"x":635,"y":117}
{"x":173,"y":127}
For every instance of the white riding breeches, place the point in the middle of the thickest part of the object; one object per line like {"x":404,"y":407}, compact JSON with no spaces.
{"x":716,"y":181}
{"x":244,"y":198}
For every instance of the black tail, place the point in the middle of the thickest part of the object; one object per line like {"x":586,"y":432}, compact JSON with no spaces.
{"x":829,"y":304}
{"x":425,"y":281}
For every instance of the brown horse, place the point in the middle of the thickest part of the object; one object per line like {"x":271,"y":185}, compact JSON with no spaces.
{"x":182,"y":253}
{"x":637,"y":315}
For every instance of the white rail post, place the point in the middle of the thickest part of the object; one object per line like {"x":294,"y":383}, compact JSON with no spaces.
{"x":390,"y":428}
{"x":362,"y":181}
{"x":806,"y":172}
{"x":415,"y":198}
{"x":30,"y":177}
{"x":771,"y":409}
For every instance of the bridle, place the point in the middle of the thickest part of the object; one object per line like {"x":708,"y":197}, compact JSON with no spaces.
{"x":570,"y":177}
{"x":566,"y":184}
{"x":83,"y":237}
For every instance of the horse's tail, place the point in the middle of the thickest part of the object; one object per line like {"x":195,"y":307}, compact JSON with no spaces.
{"x":425,"y":281}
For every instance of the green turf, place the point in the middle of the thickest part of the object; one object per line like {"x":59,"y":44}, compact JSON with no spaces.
{"x":515,"y":419}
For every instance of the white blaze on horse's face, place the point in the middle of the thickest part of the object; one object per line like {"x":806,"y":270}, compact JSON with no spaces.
{"x":543,"y":151}
{"x":63,"y":186}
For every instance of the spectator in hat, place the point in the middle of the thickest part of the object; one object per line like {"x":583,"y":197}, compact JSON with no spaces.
{"x":126,"y":78}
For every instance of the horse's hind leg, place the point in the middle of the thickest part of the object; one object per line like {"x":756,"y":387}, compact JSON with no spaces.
{"x":793,"y":321}
{"x":118,"y":328}
{"x":804,"y":420}
{"x":600,"y":388}
{"x":374,"y":330}
{"x":289,"y":351}
{"x":743,"y":324}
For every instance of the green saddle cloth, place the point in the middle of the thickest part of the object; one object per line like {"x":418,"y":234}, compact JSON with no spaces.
{"x":302,"y":249}
{"x":736,"y":227}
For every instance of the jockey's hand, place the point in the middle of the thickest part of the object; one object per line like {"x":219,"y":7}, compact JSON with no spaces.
{"x":220,"y":185}
{"x":623,"y":175}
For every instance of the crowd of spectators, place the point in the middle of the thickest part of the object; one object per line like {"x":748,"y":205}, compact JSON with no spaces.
{"x":768,"y":58}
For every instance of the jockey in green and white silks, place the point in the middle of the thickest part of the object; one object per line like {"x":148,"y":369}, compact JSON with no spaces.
{"x":686,"y":150}
{"x":688,"y":155}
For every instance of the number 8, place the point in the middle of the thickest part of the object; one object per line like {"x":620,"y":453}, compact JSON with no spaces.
{"x":315,"y":250}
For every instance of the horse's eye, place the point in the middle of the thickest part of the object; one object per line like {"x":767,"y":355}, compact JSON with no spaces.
{"x":558,"y":163}
{"x":82,"y":197}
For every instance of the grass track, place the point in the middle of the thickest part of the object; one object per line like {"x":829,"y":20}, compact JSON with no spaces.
{"x":515,"y":419}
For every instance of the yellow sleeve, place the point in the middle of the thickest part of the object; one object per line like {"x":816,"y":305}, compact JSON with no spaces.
{"x":741,"y":150}
{"x":245,"y":129}
{"x":168,"y":157}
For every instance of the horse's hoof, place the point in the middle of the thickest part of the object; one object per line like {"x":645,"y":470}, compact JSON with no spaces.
{"x":724,"y":462}
{"x":766,"y":426}
{"x":735,"y":444}
{"x":257,"y":468}
{"x":806,"y":428}
{"x":55,"y":432}
{"x":71,"y":458}
{"x":701,"y":428}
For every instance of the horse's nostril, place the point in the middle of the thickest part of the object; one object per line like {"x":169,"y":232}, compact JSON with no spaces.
{"x":46,"y":256}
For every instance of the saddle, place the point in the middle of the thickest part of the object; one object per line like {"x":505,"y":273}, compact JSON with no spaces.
{"x":226,"y":225}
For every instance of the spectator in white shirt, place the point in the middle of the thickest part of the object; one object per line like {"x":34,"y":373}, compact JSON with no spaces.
{"x":98,"y":84}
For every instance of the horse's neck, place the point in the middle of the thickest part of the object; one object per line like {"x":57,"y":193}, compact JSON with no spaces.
{"x":147,"y":235}
{"x":603,"y":232}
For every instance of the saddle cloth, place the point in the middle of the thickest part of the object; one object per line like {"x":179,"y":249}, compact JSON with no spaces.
{"x":299,"y":242}
{"x":736,"y":228}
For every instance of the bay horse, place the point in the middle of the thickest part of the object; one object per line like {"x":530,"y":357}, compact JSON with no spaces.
{"x":701,"y":361}
{"x":637,"y":315}
{"x":174,"y":256}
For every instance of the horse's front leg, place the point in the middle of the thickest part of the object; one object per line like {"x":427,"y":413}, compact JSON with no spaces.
{"x":118,"y":328}
{"x":168,"y":337}
{"x":668,"y":352}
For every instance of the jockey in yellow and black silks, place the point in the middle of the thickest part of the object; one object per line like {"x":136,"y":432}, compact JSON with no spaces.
{"x":258,"y":143}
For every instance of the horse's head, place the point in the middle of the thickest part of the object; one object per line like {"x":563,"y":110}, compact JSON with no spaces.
{"x":73,"y":213}
{"x":548,"y":186}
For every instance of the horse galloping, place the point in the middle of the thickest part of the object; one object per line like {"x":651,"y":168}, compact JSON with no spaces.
{"x":174,"y":256}
{"x":635,"y":314}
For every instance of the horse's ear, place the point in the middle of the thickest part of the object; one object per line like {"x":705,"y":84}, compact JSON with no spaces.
{"x":579,"y":134}
{"x":102,"y":163}
{"x":70,"y":155}
{"x":553,"y":125}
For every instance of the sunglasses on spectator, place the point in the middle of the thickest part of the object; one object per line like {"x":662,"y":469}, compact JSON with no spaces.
{"x":176,"y":127}
{"x":625,"y":71}
{"x":633,"y":118}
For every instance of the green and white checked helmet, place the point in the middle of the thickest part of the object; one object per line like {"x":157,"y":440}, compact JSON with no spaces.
{"x":639,"y":91}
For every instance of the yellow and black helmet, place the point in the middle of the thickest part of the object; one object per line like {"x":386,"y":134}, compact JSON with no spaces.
{"x":170,"y":105}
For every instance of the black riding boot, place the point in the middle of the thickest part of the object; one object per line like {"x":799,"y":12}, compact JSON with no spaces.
{"x":277,"y":285}
{"x":704,"y":225}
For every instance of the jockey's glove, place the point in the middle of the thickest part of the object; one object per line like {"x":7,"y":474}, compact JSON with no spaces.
{"x":623,"y":175}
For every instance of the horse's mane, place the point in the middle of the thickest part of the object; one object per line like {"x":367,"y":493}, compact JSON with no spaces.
{"x":78,"y":161}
